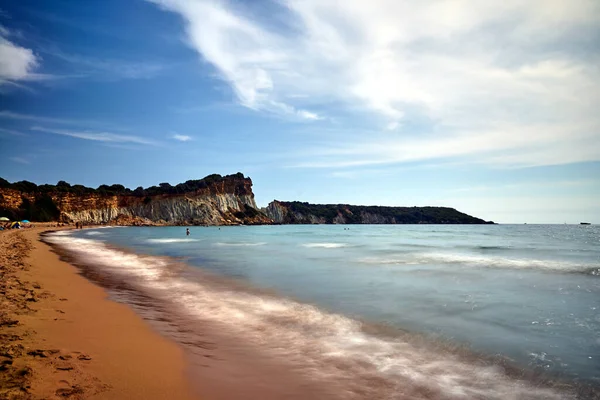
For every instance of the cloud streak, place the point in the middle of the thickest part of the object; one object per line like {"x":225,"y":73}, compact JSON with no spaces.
{"x":110,"y":68}
{"x":181,"y":138}
{"x":5,"y":114}
{"x":509,"y":83}
{"x":106,"y":137}
{"x":11,"y":132}
{"x":19,"y":160}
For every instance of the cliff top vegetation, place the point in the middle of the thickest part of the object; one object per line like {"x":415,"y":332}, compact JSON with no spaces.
{"x":116,"y":189}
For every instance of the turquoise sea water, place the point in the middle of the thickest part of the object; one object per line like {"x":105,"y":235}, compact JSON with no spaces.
{"x":382,"y":297}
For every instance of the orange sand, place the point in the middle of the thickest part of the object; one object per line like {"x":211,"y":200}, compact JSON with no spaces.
{"x":99,"y":347}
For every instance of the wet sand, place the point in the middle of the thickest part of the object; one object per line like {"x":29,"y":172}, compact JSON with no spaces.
{"x":61,"y":337}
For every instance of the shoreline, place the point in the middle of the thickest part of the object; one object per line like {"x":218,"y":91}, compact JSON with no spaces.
{"x":61,"y":336}
{"x":214,"y":360}
{"x":231,"y":360}
{"x":221,"y":366}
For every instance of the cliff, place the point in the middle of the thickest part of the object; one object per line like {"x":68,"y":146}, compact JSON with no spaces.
{"x":294,"y":212}
{"x":214,"y":200}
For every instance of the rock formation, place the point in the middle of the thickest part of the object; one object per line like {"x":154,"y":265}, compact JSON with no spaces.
{"x":295,"y":212}
{"x":215,"y":200}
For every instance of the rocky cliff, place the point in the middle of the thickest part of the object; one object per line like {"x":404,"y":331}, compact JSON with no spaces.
{"x":214,"y":200}
{"x":282,"y":212}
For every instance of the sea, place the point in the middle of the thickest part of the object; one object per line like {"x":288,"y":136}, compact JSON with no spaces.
{"x":364,"y":311}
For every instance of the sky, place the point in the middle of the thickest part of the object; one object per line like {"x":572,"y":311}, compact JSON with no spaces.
{"x":490,"y":107}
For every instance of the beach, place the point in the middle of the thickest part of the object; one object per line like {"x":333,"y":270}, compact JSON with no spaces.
{"x":61,"y":337}
{"x":412,"y":312}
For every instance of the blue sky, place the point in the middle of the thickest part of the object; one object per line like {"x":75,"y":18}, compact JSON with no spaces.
{"x":489,"y":107}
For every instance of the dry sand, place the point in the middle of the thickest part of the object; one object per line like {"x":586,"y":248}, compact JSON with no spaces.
{"x":60,"y":337}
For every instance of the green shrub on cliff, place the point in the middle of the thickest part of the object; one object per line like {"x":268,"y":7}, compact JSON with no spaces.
{"x":43,"y":209}
{"x":117,"y":189}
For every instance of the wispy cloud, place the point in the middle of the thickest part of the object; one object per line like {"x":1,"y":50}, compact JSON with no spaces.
{"x":529,"y":185}
{"x":247,"y":56}
{"x":504,"y":82}
{"x":19,"y":160}
{"x":107,"y":137}
{"x":42,"y":119}
{"x":110,"y":68}
{"x":11,"y":132}
{"x":532,"y":145}
{"x":181,"y":138}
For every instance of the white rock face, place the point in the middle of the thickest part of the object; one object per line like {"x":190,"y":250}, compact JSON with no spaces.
{"x":276,"y":212}
{"x":201,"y":209}
{"x":369,"y":218}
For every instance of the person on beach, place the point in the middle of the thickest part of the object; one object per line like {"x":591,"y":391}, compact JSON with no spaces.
{"x":187,"y":231}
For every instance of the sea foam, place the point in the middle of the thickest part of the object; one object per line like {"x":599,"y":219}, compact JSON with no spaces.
{"x":326,"y":245}
{"x":323,"y":345}
{"x":240,"y":243}
{"x":172,"y":240}
{"x":482,"y":261}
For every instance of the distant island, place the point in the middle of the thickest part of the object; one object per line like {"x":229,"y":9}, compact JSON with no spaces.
{"x":213,"y":200}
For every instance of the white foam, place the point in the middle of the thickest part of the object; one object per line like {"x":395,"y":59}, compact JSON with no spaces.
{"x":172,"y":240}
{"x":326,"y":245}
{"x":479,"y":261}
{"x":240,"y":244}
{"x":94,"y":233}
{"x":111,"y":260}
{"x":327,"y":346}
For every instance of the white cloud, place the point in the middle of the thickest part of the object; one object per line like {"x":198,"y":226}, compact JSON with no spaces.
{"x":181,"y":138}
{"x":96,"y":136}
{"x":509,"y":82}
{"x":308,"y":115}
{"x":16,"y":62}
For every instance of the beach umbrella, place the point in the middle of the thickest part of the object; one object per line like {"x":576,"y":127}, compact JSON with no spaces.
{"x":4,"y":219}
{"x":25,"y":221}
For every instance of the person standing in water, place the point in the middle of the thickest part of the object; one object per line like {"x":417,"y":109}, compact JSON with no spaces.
{"x":187,"y":231}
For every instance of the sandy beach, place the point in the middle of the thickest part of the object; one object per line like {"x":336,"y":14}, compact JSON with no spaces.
{"x":61,"y":337}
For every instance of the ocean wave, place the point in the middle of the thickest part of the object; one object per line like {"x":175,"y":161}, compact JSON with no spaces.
{"x":172,"y":240}
{"x":485,"y":261}
{"x":94,"y":233}
{"x":494,"y":248}
{"x":326,"y":346}
{"x":327,"y":245}
{"x":240,"y":243}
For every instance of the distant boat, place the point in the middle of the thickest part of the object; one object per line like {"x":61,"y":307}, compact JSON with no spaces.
{"x":584,"y":223}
